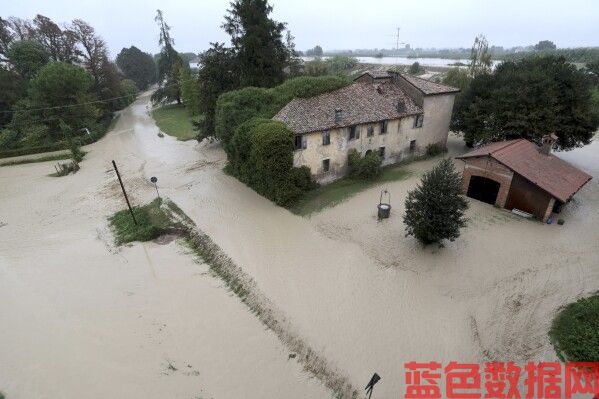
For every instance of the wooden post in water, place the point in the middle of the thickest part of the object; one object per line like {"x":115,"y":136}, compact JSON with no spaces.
{"x":124,"y":192}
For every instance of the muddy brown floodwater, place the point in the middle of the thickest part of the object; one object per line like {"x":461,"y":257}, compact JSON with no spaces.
{"x":82,"y":317}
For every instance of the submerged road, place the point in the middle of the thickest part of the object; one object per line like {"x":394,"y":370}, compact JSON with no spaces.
{"x":82,"y":318}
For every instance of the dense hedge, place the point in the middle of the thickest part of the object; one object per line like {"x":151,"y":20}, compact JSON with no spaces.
{"x":363,"y":167}
{"x":237,"y":106}
{"x":260,"y":150}
{"x":575,"y":331}
{"x":262,"y":157}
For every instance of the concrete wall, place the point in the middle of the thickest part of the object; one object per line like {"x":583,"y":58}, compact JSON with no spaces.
{"x":396,"y":142}
{"x":491,"y":169}
{"x":437,"y":116}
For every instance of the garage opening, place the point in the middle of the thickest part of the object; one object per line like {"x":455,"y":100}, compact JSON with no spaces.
{"x":483,"y":189}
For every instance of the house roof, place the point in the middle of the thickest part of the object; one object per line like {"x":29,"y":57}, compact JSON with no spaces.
{"x":550,"y":173}
{"x":427,"y":87}
{"x":376,"y":74}
{"x":358,"y":102}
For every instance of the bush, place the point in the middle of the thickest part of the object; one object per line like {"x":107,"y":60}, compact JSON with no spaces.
{"x":152,"y":222}
{"x":434,"y":149}
{"x":575,"y":331}
{"x":435,"y":209}
{"x":271,"y":157}
{"x":237,"y":106}
{"x":366,"y":167}
{"x":416,"y":69}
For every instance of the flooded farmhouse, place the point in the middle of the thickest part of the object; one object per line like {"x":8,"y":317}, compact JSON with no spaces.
{"x":393,"y":114}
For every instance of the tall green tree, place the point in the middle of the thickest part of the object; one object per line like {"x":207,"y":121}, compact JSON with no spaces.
{"x":528,"y":99}
{"x":480,"y":56}
{"x":169,"y":63}
{"x":189,"y":91}
{"x":61,"y":91}
{"x":435,"y":208}
{"x":217,"y":74}
{"x":27,"y":57}
{"x":137,"y":66}
{"x":545,"y":45}
{"x":257,"y":41}
{"x":60,"y":44}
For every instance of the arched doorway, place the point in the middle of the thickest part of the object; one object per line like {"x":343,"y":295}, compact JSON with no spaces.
{"x":483,"y":189}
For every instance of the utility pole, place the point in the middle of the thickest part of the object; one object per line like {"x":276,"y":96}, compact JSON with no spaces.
{"x":124,"y":192}
{"x":397,"y":41}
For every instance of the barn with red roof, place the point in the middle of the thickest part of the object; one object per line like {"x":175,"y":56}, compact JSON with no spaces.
{"x":518,"y":174}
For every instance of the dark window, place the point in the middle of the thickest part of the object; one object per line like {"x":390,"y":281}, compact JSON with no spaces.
{"x":382,"y":152}
{"x":326,"y":137}
{"x":384,"y":125}
{"x":301,"y":142}
{"x":412,"y":145}
{"x":370,"y":130}
{"x":354,"y":133}
{"x":419,"y":120}
{"x":338,"y":115}
{"x":326,"y":164}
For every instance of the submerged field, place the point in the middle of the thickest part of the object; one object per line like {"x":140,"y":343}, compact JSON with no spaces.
{"x":149,"y":321}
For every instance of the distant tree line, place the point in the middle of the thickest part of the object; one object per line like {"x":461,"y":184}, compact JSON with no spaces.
{"x":54,"y":80}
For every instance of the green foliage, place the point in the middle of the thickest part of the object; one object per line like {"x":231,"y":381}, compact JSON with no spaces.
{"x":314,"y":52}
{"x":55,"y":86}
{"x":128,"y":90}
{"x":235,"y":107}
{"x":11,"y":90}
{"x":174,"y":120}
{"x":480,"y":56}
{"x":169,"y":64}
{"x":271,"y":156}
{"x":575,"y":331}
{"x":338,"y":191}
{"x":261,"y":155}
{"x":217,"y":74}
{"x":316,"y":67}
{"x":457,"y":77}
{"x":363,"y":167}
{"x":545,"y":45}
{"x":434,"y":149}
{"x":27,"y":57}
{"x":152,"y":222}
{"x":189,"y":91}
{"x":528,"y":99}
{"x":416,"y":69}
{"x":340,"y":63}
{"x":435,"y":209}
{"x":257,"y":42}
{"x":137,"y":66}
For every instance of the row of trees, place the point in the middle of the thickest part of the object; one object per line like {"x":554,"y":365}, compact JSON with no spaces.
{"x":54,"y":78}
{"x":261,"y":54}
{"x":525,"y":98}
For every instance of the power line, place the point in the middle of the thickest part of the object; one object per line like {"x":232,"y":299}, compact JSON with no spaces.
{"x":82,"y":104}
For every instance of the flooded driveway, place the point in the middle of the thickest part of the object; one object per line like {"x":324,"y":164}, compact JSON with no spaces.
{"x":145,"y":321}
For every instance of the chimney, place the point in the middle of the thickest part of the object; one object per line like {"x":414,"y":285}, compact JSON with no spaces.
{"x":338,"y":115}
{"x":547,"y":143}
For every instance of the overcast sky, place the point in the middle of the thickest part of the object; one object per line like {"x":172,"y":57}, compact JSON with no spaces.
{"x":336,"y":24}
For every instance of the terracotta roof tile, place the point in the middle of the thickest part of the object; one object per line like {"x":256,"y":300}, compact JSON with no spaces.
{"x":358,"y":102}
{"x":552,"y":174}
{"x":427,"y":87}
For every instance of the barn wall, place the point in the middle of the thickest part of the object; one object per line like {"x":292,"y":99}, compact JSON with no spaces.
{"x":491,"y":169}
{"x":527,"y":197}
